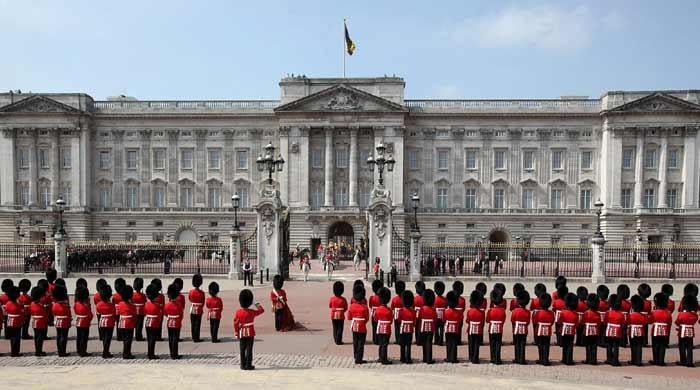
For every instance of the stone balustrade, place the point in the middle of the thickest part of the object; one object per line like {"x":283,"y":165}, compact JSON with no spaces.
{"x":588,"y":106}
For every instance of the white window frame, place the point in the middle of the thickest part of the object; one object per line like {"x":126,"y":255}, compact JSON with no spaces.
{"x":585,"y":198}
{"x":413,"y":160}
{"x":528,"y":202}
{"x":214,"y":195}
{"x":442,"y":200}
{"x":471,"y":159}
{"x":159,"y":196}
{"x":23,"y":158}
{"x":589,"y":166}
{"x":341,"y":195}
{"x":317,"y":196}
{"x":503,"y":159}
{"x":557,"y":159}
{"x":627,"y":198}
{"x":45,"y":195}
{"x":470,"y":198}
{"x":341,"y":158}
{"x":189,"y":153}
{"x":186,"y":195}
{"x":66,"y":158}
{"x":675,"y":153}
{"x":132,"y":165}
{"x":214,"y":159}
{"x":531,"y":153}
{"x":159,"y":163}
{"x":499,"y":198}
{"x":242,"y":155}
{"x":650,"y":157}
{"x":105,"y":163}
{"x":556,"y":197}
{"x":649,"y":198}
{"x":44,"y":158}
{"x":446,"y":154}
{"x":316,"y":158}
{"x":132,"y":196}
{"x":625,"y":153}
{"x":672,"y":193}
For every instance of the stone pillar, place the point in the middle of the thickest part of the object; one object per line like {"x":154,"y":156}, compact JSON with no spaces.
{"x":663,"y":202}
{"x":33,"y":170}
{"x":328,"y":198}
{"x":598,"y":259}
{"x":59,"y":242}
{"x":639,"y":172}
{"x":200,"y":168}
{"x":689,"y":163}
{"x":352,"y":174}
{"x":416,"y":255}
{"x":269,"y":209}
{"x":55,"y":166}
{"x":379,"y":214}
{"x":7,"y":167}
{"x":234,"y":248}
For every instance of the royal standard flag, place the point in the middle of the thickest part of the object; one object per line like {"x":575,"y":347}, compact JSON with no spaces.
{"x":349,"y":44}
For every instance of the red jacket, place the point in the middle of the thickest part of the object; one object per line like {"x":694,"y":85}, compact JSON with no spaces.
{"x":160,"y":299}
{"x":83,"y":314}
{"x":453,"y":320}
{"x":374,"y":301}
{"x":660,"y":320}
{"x":244,"y":322}
{"x":557,"y":307}
{"x":503,"y":305}
{"x":396,"y":305}
{"x":180,"y":299}
{"x":513,"y":304}
{"x":139,"y":301}
{"x":61,"y":315}
{"x":425,"y":320}
{"x":25,"y":300}
{"x":685,"y":324}
{"x":591,"y":323}
{"x":214,"y":308}
{"x":475,"y":321}
{"x":40,"y":319}
{"x":197,"y":299}
{"x":173,"y":314}
{"x":116,"y":299}
{"x":417,"y":303}
{"x":568,"y":320}
{"x":362,"y":302}
{"x":280,"y":296}
{"x":127,"y":315}
{"x":535,"y":304}
{"x":543,"y":321}
{"x":154,"y":315}
{"x":407,"y":318}
{"x":358,"y":314}
{"x":496,"y":317}
{"x":338,"y":306}
{"x":615,"y":320}
{"x":520,"y":319}
{"x":637,"y":322}
{"x":383,"y":316}
{"x":440,"y":306}
{"x":15,"y":314}
{"x":603,"y":307}
{"x":107,"y":313}
{"x":96,"y":298}
{"x":646,"y":306}
{"x":461,"y":303}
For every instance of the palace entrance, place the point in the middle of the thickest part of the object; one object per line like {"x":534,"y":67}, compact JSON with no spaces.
{"x":498,"y":240}
{"x":343,"y":235}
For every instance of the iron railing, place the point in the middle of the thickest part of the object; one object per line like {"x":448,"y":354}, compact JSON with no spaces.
{"x":24,"y":257}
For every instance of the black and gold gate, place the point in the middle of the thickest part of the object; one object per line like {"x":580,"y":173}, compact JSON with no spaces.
{"x":400,"y":252}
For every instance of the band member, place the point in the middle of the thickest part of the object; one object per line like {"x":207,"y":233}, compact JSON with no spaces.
{"x":6,"y":283}
{"x":96,"y":299}
{"x":51,"y":276}
{"x":15,"y":316}
{"x":502,"y":303}
{"x":197,"y":299}
{"x":517,"y":288}
{"x":62,"y":318}
{"x":685,"y":324}
{"x":417,"y":304}
{"x":668,"y":290}
{"x":520,"y":319}
{"x":567,"y":326}
{"x":475,"y":325}
{"x":161,"y":301}
{"x":173,"y":314}
{"x":139,"y":301}
{"x":215,"y":307}
{"x":180,"y":297}
{"x":25,"y":300}
{"x":688,"y":289}
{"x":127,"y":320}
{"x":407,"y":319}
{"x":558,"y":306}
{"x":644,"y":291}
{"x":107,"y":312}
{"x":603,"y":292}
{"x":496,"y":317}
{"x":119,"y":284}
{"x":458,"y":288}
{"x":40,"y":320}
{"x":623,"y":295}
{"x":637,"y":328}
{"x":83,"y":318}
{"x":358,"y":315}
{"x":582,"y":294}
{"x":535,"y":306}
{"x":544,"y":322}
{"x":284,"y":320}
{"x":660,"y":320}
{"x":440,"y":306}
{"x":383,"y":316}
{"x":396,"y":306}
{"x":615,"y":322}
{"x":338,"y":306}
{"x":358,"y":282}
{"x":153,"y":313}
{"x":481,"y":288}
{"x":426,"y":321}
{"x":590,"y":328}
{"x":244,"y":327}
{"x":374,"y":303}
{"x":453,"y":317}
{"x":560,"y":281}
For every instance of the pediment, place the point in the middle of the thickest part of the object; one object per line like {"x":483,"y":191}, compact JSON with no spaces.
{"x":471,"y":182}
{"x":38,"y":104}
{"x":341,"y":98}
{"x":528,"y":182}
{"x":500,"y":182}
{"x":657,"y":103}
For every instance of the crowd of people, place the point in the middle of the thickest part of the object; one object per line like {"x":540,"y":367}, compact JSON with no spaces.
{"x":440,"y":264}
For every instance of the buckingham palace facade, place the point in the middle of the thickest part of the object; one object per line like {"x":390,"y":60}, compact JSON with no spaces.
{"x":150,"y":170}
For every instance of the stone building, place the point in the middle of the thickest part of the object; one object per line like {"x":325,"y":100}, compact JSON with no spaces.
{"x":498,"y":169}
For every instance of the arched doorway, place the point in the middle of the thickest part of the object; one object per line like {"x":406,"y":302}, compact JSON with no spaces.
{"x":343,"y":235}
{"x":498,"y":240}
{"x":187,"y":235}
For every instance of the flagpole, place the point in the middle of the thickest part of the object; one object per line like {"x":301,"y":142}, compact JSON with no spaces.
{"x":344,"y":21}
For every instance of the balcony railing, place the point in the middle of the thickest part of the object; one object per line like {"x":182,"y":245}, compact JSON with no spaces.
{"x":185,"y":105}
{"x":460,"y":210}
{"x":169,"y":209}
{"x":519,"y":106}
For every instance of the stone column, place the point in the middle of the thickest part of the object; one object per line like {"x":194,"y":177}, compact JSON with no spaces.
{"x":416,"y":255}
{"x":598,"y":259}
{"x":328,"y":199}
{"x":200,"y":168}
{"x":689,"y":163}
{"x":33,"y":170}
{"x":55,"y":165}
{"x":7,"y":167}
{"x":59,"y":242}
{"x":352,"y":174}
{"x":268,"y":211}
{"x":145,"y":168}
{"x":173,"y":168}
{"x":379,"y":213}
{"x":75,"y":173}
{"x":234,"y":248}
{"x":639,"y":172}
{"x":663,"y":202}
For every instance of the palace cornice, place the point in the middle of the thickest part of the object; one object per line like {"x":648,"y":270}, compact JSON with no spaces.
{"x":183,"y":116}
{"x":502,"y":115}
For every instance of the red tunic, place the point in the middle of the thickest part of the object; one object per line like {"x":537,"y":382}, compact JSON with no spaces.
{"x":244,"y":322}
{"x":503,"y":305}
{"x":107,"y":313}
{"x":83,"y":314}
{"x":568,"y":320}
{"x":358,"y":314}
{"x":396,"y":305}
{"x":407,"y":318}
{"x":646,"y":306}
{"x":453,"y":319}
{"x":475,"y":321}
{"x":520,"y":319}
{"x":496,"y":317}
{"x":383,"y":316}
{"x":426,"y":319}
{"x":25,"y":300}
{"x":603,"y":307}
{"x":461,"y":303}
{"x":417,"y":303}
{"x":543,"y":320}
{"x":513,"y":304}
{"x":139,"y":301}
{"x":591,"y":323}
{"x":625,"y":307}
{"x":15,"y":314}
{"x":116,"y":299}
{"x":40,"y":319}
{"x":440,"y":306}
{"x":180,"y":299}
{"x":615,"y":320}
{"x":197,"y":300}
{"x":173,"y":314}
{"x":61,"y":315}
{"x":154,"y":315}
{"x":535,"y":305}
{"x":557,"y":307}
{"x":483,"y":305}
{"x":637,"y":321}
{"x":685,"y":324}
{"x":214,"y":308}
{"x":660,"y":320}
{"x":338,"y":307}
{"x":362,"y":302}
{"x":127,"y":315}
{"x":160,"y":299}
{"x":96,"y":298}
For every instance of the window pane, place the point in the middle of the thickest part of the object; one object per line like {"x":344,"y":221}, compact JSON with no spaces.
{"x":443,"y":160}
{"x":499,"y":159}
{"x":316,"y":159}
{"x":627,"y":158}
{"x":585,"y":199}
{"x":528,"y":160}
{"x":673,"y":158}
{"x":214,"y":196}
{"x":499,"y":199}
{"x":470,"y":198}
{"x":66,"y":158}
{"x":586,"y":160}
{"x":104,"y":159}
{"x":186,"y":159}
{"x":44,"y":158}
{"x":555,"y":201}
{"x":159,"y":197}
{"x":557,"y":159}
{"x":242,"y":158}
{"x":528,"y":199}
{"x":442,"y":198}
{"x":471,"y":159}
{"x":412,"y":159}
{"x":650,"y":159}
{"x":626,"y":198}
{"x":214,"y":159}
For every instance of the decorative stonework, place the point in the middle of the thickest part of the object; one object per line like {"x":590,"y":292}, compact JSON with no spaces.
{"x":380,"y":223}
{"x":145,"y":134}
{"x":268,"y":222}
{"x":38,"y":104}
{"x":344,"y":100}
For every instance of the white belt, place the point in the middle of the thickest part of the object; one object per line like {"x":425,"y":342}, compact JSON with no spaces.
{"x":106,"y":315}
{"x":138,"y":304}
{"x":151,"y":316}
{"x":56,"y":317}
{"x":20,"y":315}
{"x":172,"y":317}
{"x":78,"y":316}
{"x":123,"y":316}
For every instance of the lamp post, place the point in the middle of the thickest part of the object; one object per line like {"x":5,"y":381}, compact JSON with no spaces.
{"x":380,"y":162}
{"x":638,"y":253}
{"x":415,"y":199}
{"x":236,"y":201}
{"x":598,"y":233}
{"x":267,"y":162}
{"x":522,"y":257}
{"x":60,"y":208}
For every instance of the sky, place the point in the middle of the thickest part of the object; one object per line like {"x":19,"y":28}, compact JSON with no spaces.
{"x":209,"y":49}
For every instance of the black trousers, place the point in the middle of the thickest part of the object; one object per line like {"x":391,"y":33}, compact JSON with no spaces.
{"x":196,"y":321}
{"x":246,"y":347}
{"x":39,"y":337}
{"x":495,"y":344}
{"x":106,"y":336}
{"x":338,"y":331}
{"x":127,"y":340}
{"x":439,"y":332}
{"x":451,"y":340}
{"x":658,"y":349}
{"x":418,"y":333}
{"x":279,"y":316}
{"x":474,"y":343}
{"x":139,"y":327}
{"x":612,"y":350}
{"x":579,"y":337}
{"x":25,"y":329}
{"x":636,"y":345}
{"x":173,"y":342}
{"x":685,"y":349}
{"x":383,"y":342}
{"x":397,"y":331}
{"x":358,"y":346}
{"x":81,"y":340}
{"x":557,"y":328}
{"x":214,"y":329}
{"x":601,"y":335}
{"x":427,"y":342}
{"x":567,"y":349}
{"x":4,"y":326}
{"x":519,"y":341}
{"x":61,"y":340}
{"x":543,"y":345}
{"x":591,"y":343}
{"x":459,"y":334}
{"x":624,"y":340}
{"x":160,"y":330}
{"x":119,"y":330}
{"x":15,"y":336}
{"x":247,"y":278}
{"x":405,"y":347}
{"x":151,"y":337}
{"x":374,"y":332}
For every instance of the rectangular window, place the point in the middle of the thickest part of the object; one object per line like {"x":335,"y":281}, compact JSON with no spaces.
{"x":132,"y":196}
{"x":499,"y":198}
{"x":586,"y":160}
{"x":65,"y":158}
{"x":44,"y":158}
{"x":158,"y":158}
{"x":105,"y":198}
{"x":243,"y":194}
{"x":443,"y":198}
{"x":23,"y":158}
{"x":528,"y":160}
{"x":159,"y":197}
{"x":443,"y":160}
{"x":66,"y":194}
{"x":214,"y":159}
{"x":626,"y":198}
{"x":528,"y":198}
{"x":557,"y":159}
{"x":24,"y":196}
{"x":105,"y":160}
{"x":242,"y":159}
{"x":341,"y":158}
{"x":470,"y":198}
{"x":132,"y":159}
{"x":45,"y":196}
{"x":470,"y":162}
{"x":585,"y":201}
{"x":499,"y":159}
{"x":649,"y":198}
{"x":672,"y":198}
{"x":673,"y":158}
{"x":412,"y":160}
{"x":627,"y":157}
{"x":650,"y":158}
{"x":186,"y":159}
{"x":316,"y":158}
{"x":555,"y":199}
{"x":214,"y":196}
{"x":186,"y":197}
{"x":583,"y":242}
{"x":316,"y":197}
{"x":365,"y":195}
{"x":341,"y":196}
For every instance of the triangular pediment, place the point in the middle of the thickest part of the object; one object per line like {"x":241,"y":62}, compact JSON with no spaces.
{"x":657,"y":103}
{"x":341,"y":98}
{"x":38,"y":104}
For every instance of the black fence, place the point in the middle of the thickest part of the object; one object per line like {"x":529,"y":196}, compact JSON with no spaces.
{"x":400,"y":253}
{"x":680,"y":261}
{"x":249,"y":251}
{"x":25,"y":257}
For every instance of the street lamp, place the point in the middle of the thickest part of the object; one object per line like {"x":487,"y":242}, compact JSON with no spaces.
{"x":599,"y":206}
{"x":236,"y":201}
{"x":415,"y":199}
{"x":268,"y":163}
{"x":60,"y":208}
{"x":380,"y":162}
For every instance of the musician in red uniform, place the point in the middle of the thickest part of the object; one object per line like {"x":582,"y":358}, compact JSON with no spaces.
{"x":15,"y":317}
{"x":582,"y":294}
{"x":517,"y":288}
{"x":440,"y":306}
{"x":685,"y":324}
{"x":668,"y":290}
{"x":244,"y":327}
{"x":363,"y":301}
{"x":107,"y":314}
{"x":623,"y":294}
{"x":458,"y":288}
{"x":453,"y":318}
{"x":520,"y":319}
{"x":660,"y":320}
{"x":544,"y":323}
{"x":426,"y":322}
{"x":139,"y":301}
{"x":567,"y":321}
{"x":62,"y":318}
{"x":160,"y":299}
{"x":173,"y":317}
{"x":535,"y":306}
{"x":396,"y":306}
{"x":474,"y":320}
{"x":358,"y":315}
{"x":558,"y":306}
{"x":6,"y":283}
{"x":688,"y":289}
{"x":614,"y":323}
{"x":374,"y":303}
{"x":153,"y":313}
{"x":338,"y":305}
{"x":127,"y":320}
{"x":96,"y":299}
{"x":51,"y":276}
{"x":83,"y":318}
{"x":40,"y":320}
{"x":644,"y":291}
{"x":383,"y":316}
{"x":603,"y":292}
{"x":417,"y":304}
{"x":197,"y":300}
{"x":214,"y":308}
{"x":407,"y":320}
{"x":180,"y":297}
{"x":119,"y":284}
{"x":590,"y":327}
{"x":496,"y":317}
{"x":284,"y":320}
{"x":637,"y":328}
{"x":25,"y":300}
{"x":481,"y":288}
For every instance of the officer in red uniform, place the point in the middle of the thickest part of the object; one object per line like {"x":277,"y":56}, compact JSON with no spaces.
{"x":660,"y":320}
{"x":558,"y":306}
{"x":374,"y":303}
{"x":517,"y":288}
{"x":668,"y":290}
{"x":39,"y":319}
{"x":440,"y":306}
{"x":51,"y":276}
{"x":637,"y":327}
{"x":688,"y":289}
{"x":96,"y":299}
{"x":582,"y":294}
{"x":358,"y":315}
{"x":417,"y":304}
{"x":590,"y":327}
{"x":180,"y":297}
{"x":603,"y":292}
{"x":544,"y":323}
{"x":623,"y":294}
{"x":458,"y":288}
{"x":25,"y":300}
{"x":338,"y":305}
{"x":214,"y":308}
{"x":615,"y":322}
{"x":535,"y":306}
{"x":244,"y":327}
{"x":6,"y":283}
{"x":153,"y":313}
{"x":15,"y":317}
{"x":568,"y":321}
{"x":475,"y":325}
{"x":685,"y":324}
{"x":119,"y":284}
{"x":173,"y":317}
{"x":520,"y":319}
{"x":107,"y":314}
{"x":496,"y":317}
{"x":139,"y":301}
{"x":452,"y":318}
{"x":407,"y":320}
{"x":426,"y":322}
{"x":127,"y":320}
{"x":160,"y":299}
{"x":197,"y":300}
{"x":62,"y":318}
{"x":383,"y":316}
{"x":363,"y":301}
{"x":396,"y":306}
{"x":644,"y":291}
{"x":83,"y":318}
{"x":560,"y":281}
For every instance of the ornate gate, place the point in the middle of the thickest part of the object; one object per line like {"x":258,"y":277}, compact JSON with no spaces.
{"x":284,"y":244}
{"x":400,"y":252}
{"x":249,"y":250}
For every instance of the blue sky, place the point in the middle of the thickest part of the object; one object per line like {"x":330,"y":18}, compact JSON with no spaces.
{"x":443,"y":49}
